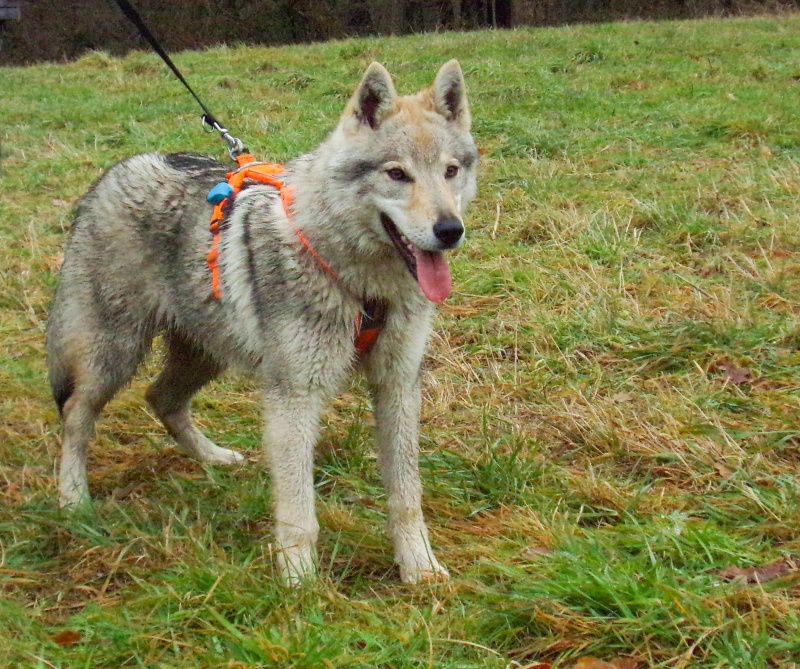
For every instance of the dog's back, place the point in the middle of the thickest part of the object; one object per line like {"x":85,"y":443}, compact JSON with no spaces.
{"x":137,"y":228}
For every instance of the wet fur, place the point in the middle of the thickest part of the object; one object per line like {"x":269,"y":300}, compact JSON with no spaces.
{"x":136,"y":267}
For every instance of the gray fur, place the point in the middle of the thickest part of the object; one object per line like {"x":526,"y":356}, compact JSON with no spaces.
{"x":136,"y":266}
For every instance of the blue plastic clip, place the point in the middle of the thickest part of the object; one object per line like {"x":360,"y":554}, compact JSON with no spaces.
{"x":219,"y":192}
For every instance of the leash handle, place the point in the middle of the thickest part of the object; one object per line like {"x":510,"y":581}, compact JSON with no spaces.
{"x":235,"y":146}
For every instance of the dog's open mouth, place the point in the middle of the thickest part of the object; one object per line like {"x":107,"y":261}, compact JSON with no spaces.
{"x":429,"y":268}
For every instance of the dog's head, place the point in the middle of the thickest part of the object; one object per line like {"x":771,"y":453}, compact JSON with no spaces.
{"x":411,"y":162}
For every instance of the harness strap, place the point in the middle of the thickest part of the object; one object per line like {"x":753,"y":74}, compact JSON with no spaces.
{"x":368,"y":325}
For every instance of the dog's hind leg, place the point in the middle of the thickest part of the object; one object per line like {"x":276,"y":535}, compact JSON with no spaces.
{"x":186,"y":370}
{"x":86,"y":371}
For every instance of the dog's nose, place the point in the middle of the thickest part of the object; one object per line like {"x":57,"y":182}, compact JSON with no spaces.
{"x":448,"y":230}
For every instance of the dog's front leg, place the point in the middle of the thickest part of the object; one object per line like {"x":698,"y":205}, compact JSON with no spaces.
{"x":290,"y":434}
{"x":397,"y":406}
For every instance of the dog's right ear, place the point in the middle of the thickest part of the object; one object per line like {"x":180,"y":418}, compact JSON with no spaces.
{"x":374,"y":98}
{"x":450,"y":94}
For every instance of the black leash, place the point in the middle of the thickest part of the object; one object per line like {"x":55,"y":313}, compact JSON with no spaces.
{"x":235,"y":146}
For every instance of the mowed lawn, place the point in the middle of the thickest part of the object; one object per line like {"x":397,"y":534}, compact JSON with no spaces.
{"x":611,"y":396}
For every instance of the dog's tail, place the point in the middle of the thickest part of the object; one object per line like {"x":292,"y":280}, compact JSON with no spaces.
{"x":62,"y":385}
{"x":59,"y":372}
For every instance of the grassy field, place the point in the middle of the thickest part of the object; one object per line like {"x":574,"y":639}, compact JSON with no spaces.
{"x":611,"y":398}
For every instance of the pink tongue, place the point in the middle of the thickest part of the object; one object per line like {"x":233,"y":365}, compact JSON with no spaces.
{"x":433,"y":274}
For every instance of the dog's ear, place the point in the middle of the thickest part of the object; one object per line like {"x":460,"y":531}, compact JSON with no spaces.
{"x":374,"y":98}
{"x":450,"y":94}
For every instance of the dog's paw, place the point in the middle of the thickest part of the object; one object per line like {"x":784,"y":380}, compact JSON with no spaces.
{"x":200,"y":447}
{"x":425,"y":576}
{"x":414,"y":555}
{"x":425,"y":571}
{"x":73,"y":495}
{"x":73,"y":500}
{"x":222,"y":456}
{"x":190,"y":441}
{"x":295,"y":566}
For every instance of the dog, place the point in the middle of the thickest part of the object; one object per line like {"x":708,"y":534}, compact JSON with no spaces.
{"x":374,"y":209}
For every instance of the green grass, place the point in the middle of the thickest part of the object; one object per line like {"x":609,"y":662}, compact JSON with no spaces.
{"x":635,"y":239}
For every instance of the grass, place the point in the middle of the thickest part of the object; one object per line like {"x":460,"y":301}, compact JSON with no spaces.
{"x":611,"y":398}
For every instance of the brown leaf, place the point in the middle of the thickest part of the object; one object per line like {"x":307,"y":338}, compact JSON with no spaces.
{"x":622,"y":398}
{"x":592,"y":663}
{"x":532,"y":552}
{"x":637,"y":85}
{"x":616,"y":663}
{"x":67,"y":638}
{"x":722,"y":470}
{"x":53,"y":262}
{"x":625,"y":663}
{"x":665,"y":472}
{"x":558,"y":645}
{"x":735,"y":374}
{"x":761,"y":574}
{"x":537,"y":665}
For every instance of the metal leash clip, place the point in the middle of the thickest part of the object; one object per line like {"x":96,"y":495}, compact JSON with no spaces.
{"x":235,"y":145}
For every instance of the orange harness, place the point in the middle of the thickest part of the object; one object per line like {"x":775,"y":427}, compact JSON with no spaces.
{"x":368,"y":325}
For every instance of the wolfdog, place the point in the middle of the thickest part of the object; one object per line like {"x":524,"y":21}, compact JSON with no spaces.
{"x":374,"y":207}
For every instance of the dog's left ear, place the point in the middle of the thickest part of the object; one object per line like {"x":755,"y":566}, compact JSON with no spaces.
{"x":450,"y":94}
{"x":374,"y":98}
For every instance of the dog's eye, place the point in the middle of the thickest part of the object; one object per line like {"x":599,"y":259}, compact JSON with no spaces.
{"x":451,"y":171}
{"x":396,"y":174}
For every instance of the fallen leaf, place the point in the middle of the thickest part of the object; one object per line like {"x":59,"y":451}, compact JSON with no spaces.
{"x":54,"y":262}
{"x":532,"y":552}
{"x":622,"y":398}
{"x":559,"y":645}
{"x":665,"y":472}
{"x":616,"y":663}
{"x":537,"y":665}
{"x":625,"y":663}
{"x":592,"y":663}
{"x":735,"y":374}
{"x":722,"y":470}
{"x":761,"y":574}
{"x":67,"y":638}
{"x":637,"y":85}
